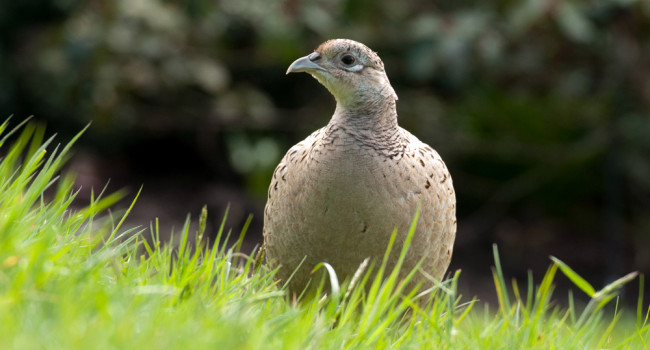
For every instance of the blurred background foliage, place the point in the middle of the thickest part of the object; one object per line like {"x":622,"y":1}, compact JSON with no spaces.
{"x":541,"y":108}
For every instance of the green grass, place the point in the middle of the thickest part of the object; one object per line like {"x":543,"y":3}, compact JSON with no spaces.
{"x":75,"y":279}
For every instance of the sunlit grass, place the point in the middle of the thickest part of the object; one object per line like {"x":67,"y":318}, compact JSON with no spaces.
{"x":75,"y":279}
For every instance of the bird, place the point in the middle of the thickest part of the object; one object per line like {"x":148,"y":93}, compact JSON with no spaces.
{"x":338,"y":196}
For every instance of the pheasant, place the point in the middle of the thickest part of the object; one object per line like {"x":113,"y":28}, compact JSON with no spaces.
{"x":338,"y":195}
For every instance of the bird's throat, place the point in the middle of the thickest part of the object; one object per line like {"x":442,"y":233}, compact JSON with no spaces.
{"x":375,"y":118}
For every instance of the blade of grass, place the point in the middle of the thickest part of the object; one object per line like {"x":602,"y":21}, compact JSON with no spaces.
{"x":499,"y":281}
{"x":639,"y":303}
{"x":334,"y":280}
{"x":575,"y":278}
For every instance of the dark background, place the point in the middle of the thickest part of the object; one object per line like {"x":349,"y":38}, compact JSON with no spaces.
{"x":539,"y":108}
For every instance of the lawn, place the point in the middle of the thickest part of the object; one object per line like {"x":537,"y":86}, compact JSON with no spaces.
{"x":78,"y":279}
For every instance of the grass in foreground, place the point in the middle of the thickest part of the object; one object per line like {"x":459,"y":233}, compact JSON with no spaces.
{"x":70,"y":279}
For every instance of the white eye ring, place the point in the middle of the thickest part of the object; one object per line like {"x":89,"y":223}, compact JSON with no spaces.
{"x":355,"y":68}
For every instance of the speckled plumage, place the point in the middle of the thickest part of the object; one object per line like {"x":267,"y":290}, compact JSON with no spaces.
{"x":338,"y":195}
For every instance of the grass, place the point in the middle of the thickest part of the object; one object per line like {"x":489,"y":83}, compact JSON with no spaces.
{"x":75,"y":279}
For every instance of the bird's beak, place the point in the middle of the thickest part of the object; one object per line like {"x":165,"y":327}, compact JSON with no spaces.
{"x":305,"y":64}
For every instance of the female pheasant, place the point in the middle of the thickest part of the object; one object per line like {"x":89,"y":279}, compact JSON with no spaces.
{"x":338,"y":195}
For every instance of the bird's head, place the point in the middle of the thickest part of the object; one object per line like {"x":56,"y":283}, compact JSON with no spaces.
{"x":352,"y":72}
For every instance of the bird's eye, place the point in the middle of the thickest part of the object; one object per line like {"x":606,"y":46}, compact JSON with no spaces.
{"x":348,"y":60}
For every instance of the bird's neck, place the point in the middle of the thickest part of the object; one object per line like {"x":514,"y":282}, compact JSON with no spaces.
{"x":377,"y":116}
